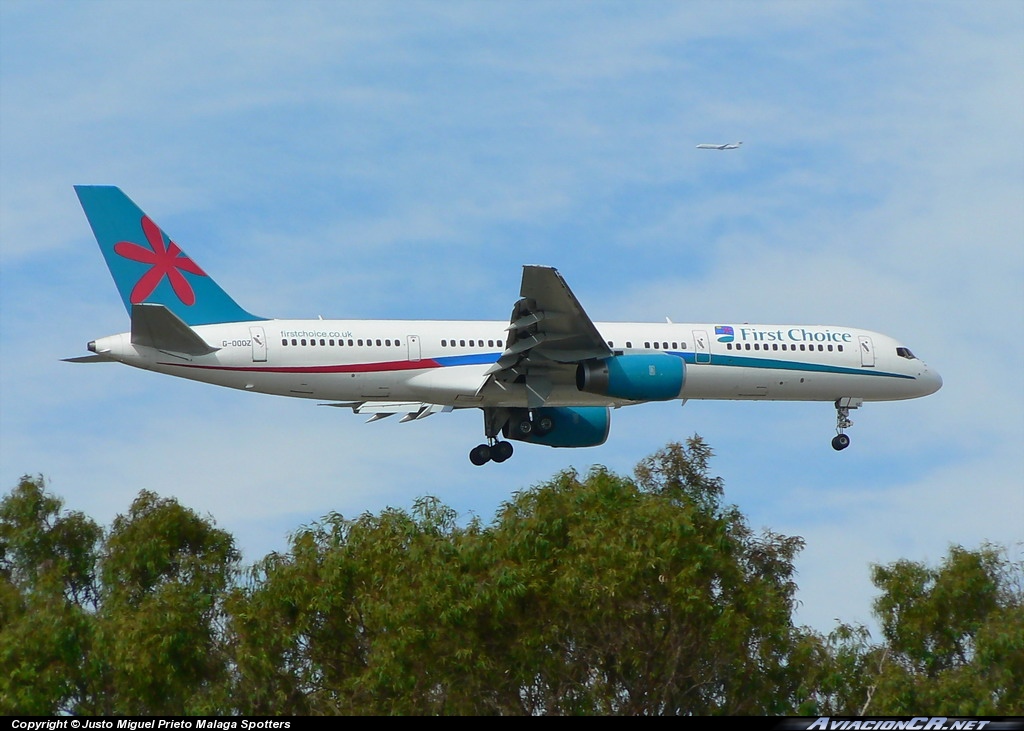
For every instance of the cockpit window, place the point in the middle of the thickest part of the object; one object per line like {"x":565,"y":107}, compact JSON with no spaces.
{"x":904,"y":353}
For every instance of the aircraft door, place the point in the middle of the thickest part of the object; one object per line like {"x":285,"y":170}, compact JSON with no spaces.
{"x":867,"y":351}
{"x":259,"y":344}
{"x":701,"y":347}
{"x":414,"y":347}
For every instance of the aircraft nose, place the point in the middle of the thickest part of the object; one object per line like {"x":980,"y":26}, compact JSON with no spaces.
{"x":930,"y":381}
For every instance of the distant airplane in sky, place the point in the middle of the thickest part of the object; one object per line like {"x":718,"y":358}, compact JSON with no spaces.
{"x":549,"y":375}
{"x":729,"y":146}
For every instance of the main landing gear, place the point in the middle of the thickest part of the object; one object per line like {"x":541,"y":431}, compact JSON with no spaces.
{"x":494,"y":450}
{"x":517,"y":424}
{"x":843,"y":405}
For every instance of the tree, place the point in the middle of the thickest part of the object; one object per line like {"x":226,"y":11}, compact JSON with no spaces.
{"x":124,"y":623}
{"x":954,"y":634}
{"x":595,"y":594}
{"x":952,"y":643}
{"x":47,"y":596}
{"x":159,"y":642}
{"x":604,"y":594}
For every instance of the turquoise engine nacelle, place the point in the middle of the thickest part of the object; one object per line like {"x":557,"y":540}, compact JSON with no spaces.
{"x":560,"y":426}
{"x":640,"y":377}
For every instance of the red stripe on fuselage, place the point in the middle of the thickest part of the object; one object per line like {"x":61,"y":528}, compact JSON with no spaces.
{"x":398,"y":365}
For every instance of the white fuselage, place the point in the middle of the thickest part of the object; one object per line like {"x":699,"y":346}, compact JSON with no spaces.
{"x":446,"y":362}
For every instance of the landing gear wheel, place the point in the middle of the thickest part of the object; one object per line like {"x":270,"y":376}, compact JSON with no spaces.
{"x":501,"y":451}
{"x":840,"y":442}
{"x":480,"y":455}
{"x":525,"y":427}
{"x":843,"y":422}
{"x":543,"y":425}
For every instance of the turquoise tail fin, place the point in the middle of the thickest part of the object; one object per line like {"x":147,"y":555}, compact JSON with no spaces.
{"x":148,"y":267}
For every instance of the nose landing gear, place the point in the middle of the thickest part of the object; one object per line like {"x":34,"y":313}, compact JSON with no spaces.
{"x":843,"y":405}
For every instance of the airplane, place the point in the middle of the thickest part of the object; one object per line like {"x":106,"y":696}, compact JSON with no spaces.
{"x":549,"y":375}
{"x":709,"y":146}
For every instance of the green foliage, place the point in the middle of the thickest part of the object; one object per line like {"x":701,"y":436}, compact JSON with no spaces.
{"x":126,"y":623}
{"x":164,"y":574}
{"x":955,"y":634}
{"x":953,"y":643}
{"x":595,"y":594}
{"x":47,"y":593}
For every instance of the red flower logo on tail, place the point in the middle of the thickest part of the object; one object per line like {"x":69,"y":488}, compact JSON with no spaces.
{"x":166,"y":262}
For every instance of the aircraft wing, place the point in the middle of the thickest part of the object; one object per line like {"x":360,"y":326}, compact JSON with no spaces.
{"x":548,"y":335}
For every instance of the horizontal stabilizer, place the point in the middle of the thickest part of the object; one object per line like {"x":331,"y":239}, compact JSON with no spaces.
{"x":96,"y":358}
{"x":155,"y":326}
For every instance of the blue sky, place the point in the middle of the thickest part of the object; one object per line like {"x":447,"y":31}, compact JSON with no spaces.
{"x":404,"y":159}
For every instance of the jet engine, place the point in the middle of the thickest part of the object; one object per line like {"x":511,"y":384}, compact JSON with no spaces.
{"x":640,"y":377}
{"x":560,"y":426}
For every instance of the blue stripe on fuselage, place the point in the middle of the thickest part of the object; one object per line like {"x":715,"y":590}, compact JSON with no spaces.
{"x":741,"y":361}
{"x":471,"y":359}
